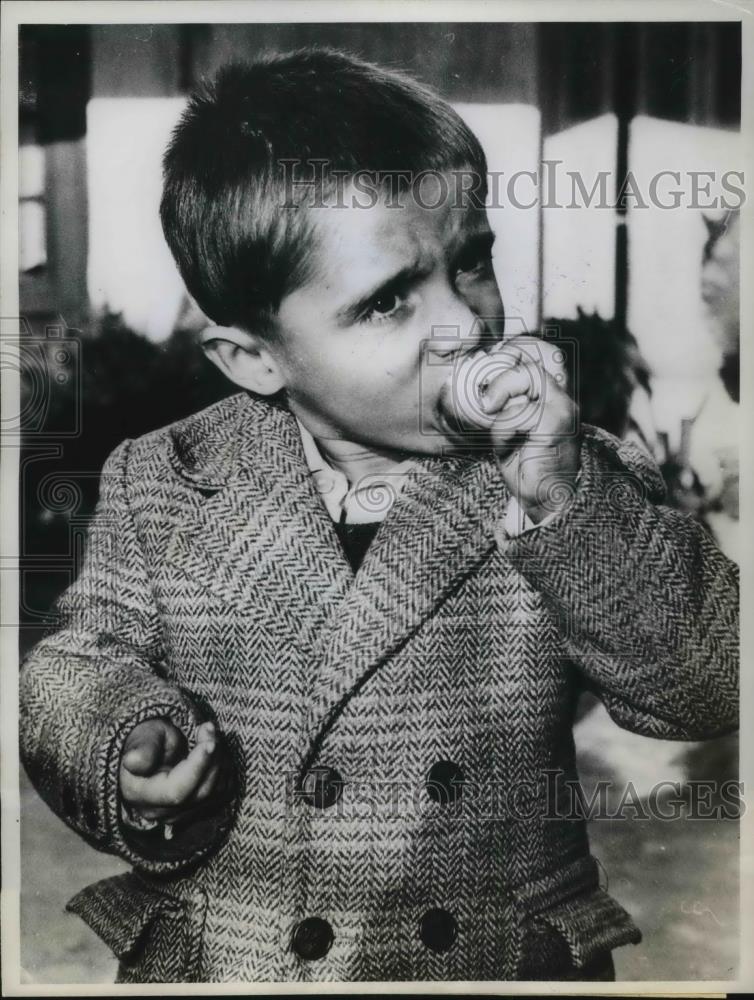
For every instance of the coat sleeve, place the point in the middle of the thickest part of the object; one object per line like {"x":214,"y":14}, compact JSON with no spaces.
{"x":646,"y":604}
{"x":83,"y":688}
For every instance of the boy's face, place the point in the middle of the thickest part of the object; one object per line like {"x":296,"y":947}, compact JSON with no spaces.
{"x":398,"y":295}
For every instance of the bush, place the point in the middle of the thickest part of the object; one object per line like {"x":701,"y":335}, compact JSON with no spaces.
{"x":125,"y":386}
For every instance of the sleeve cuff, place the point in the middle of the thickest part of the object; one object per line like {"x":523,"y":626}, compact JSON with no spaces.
{"x":517,"y":522}
{"x":152,"y":846}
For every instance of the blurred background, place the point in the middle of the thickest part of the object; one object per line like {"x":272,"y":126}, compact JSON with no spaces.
{"x":644,"y":297}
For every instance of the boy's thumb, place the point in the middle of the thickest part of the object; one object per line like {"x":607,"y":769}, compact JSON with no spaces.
{"x":144,"y":749}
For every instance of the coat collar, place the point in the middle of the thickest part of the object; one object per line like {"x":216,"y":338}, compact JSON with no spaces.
{"x":211,"y":448}
{"x":263,"y":529}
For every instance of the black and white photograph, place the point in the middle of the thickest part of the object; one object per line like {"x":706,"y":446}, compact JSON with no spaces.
{"x":372,"y":440}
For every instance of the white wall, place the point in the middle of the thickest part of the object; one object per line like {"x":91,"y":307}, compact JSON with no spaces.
{"x":509,"y":134}
{"x":578,"y":262}
{"x":130,"y":269}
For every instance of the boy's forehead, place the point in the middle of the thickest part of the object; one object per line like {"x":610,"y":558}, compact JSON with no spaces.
{"x":394,"y":231}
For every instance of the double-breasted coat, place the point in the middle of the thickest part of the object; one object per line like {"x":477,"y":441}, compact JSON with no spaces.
{"x":401,"y":737}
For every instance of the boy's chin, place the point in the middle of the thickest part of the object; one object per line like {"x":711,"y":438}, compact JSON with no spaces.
{"x":449,"y":442}
{"x":442,"y":438}
{"x":469,"y":447}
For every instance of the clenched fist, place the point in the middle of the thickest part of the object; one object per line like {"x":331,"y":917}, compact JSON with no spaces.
{"x":160,"y":780}
{"x":516,"y":393}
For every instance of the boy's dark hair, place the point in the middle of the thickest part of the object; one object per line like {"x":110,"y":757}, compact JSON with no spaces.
{"x":239,"y":249}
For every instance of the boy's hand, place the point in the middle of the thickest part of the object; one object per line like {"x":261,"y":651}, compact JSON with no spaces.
{"x":531,"y":420}
{"x":159,"y":780}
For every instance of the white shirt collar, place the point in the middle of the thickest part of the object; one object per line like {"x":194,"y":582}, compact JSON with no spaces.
{"x":367,"y":500}
{"x":371,"y":498}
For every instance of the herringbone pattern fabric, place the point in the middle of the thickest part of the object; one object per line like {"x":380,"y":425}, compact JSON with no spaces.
{"x":214,"y":585}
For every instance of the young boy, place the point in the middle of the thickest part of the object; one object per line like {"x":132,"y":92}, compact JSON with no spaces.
{"x":317,"y":678}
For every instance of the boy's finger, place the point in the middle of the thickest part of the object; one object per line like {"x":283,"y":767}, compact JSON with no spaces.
{"x":144,"y":749}
{"x":209,"y":785}
{"x":215,"y":785}
{"x":522,"y":347}
{"x":174,"y":745}
{"x":188,"y":775}
{"x":524,"y":379}
{"x":549,"y":355}
{"x":206,"y":733}
{"x":173,"y":787}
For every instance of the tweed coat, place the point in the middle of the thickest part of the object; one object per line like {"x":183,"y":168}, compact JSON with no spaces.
{"x":433,"y":693}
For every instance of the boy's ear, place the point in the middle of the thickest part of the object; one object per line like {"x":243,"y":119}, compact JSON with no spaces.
{"x":244,"y":357}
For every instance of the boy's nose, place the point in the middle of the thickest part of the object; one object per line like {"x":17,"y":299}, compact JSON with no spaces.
{"x":457,"y":329}
{"x":445,"y":343}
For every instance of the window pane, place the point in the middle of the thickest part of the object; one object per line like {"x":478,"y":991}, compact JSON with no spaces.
{"x":31,"y":172}
{"x":32,"y":242}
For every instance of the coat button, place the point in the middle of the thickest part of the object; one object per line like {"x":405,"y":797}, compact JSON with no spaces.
{"x":438,"y":929}
{"x":312,"y":938}
{"x":321,"y":787}
{"x":445,"y":782}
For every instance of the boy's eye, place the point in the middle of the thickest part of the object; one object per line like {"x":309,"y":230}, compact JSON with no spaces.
{"x":386,"y":305}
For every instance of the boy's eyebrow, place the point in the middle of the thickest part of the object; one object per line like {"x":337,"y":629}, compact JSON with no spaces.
{"x":479,"y":242}
{"x":349,"y":313}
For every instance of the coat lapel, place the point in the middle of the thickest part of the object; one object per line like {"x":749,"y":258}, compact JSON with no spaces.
{"x":439,"y":529}
{"x":255,"y":531}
